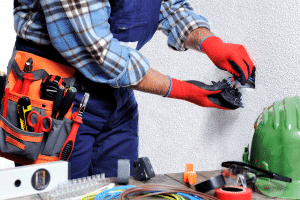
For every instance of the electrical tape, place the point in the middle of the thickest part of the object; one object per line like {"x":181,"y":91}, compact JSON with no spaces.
{"x":233,"y":193}
{"x":123,"y":171}
{"x":211,"y":184}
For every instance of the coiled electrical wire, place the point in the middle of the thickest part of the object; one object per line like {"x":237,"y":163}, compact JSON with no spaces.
{"x":148,"y":190}
{"x":133,"y":192}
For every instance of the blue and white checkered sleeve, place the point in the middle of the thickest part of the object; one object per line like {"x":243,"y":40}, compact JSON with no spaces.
{"x":81,"y":33}
{"x":177,"y":20}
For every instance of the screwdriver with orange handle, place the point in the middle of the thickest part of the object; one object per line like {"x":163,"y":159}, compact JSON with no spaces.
{"x":77,"y":120}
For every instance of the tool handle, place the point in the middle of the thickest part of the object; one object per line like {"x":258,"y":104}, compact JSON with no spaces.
{"x":70,"y":141}
{"x":17,"y":86}
{"x":66,"y":103}
{"x":24,"y":110}
{"x":28,"y":78}
{"x":41,"y":124}
{"x":3,"y":77}
{"x":5,"y":102}
{"x":57,"y":100}
{"x":35,"y":127}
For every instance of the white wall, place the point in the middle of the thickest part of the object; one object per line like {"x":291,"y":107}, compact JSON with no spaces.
{"x":175,"y":132}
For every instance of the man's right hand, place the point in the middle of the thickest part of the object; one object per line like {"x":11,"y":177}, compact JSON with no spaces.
{"x":192,"y":91}
{"x":201,"y":94}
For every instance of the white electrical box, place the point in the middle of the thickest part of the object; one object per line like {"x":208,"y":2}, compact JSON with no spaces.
{"x":32,"y":179}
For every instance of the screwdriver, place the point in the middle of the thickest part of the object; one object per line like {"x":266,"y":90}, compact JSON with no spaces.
{"x":57,"y":100}
{"x":66,"y":102}
{"x":77,"y":120}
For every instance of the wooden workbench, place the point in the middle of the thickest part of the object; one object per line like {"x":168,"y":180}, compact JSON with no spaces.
{"x":175,"y":179}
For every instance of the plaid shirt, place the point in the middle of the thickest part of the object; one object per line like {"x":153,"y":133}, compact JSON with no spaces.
{"x":82,"y":35}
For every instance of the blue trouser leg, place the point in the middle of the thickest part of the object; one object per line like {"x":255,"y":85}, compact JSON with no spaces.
{"x":109,"y":132}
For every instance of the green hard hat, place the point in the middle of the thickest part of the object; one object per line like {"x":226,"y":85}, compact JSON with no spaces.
{"x":276,"y":148}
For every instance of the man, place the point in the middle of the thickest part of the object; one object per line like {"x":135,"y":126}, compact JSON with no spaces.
{"x":87,"y":34}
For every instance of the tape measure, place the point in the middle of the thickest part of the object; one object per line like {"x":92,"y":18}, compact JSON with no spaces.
{"x":50,"y":86}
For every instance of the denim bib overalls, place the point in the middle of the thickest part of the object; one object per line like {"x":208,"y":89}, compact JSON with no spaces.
{"x":101,"y":141}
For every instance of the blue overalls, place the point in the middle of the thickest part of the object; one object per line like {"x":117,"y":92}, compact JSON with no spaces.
{"x":110,"y":121}
{"x":110,"y":128}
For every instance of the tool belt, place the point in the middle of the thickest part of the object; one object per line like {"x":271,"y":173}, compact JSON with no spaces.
{"x":26,"y":147}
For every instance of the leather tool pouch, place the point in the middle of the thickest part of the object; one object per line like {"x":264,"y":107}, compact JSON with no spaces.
{"x":26,"y":147}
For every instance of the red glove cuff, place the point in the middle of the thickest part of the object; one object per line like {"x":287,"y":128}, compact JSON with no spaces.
{"x":200,"y":46}
{"x":209,"y":42}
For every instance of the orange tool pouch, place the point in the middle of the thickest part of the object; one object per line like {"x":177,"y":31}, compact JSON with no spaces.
{"x":25,"y":147}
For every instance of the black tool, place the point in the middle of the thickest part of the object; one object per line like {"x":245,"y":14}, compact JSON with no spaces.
{"x":50,"y":86}
{"x":231,"y":94}
{"x":66,"y":102}
{"x":57,"y":100}
{"x":2,"y":83}
{"x":24,"y":108}
{"x":142,"y":169}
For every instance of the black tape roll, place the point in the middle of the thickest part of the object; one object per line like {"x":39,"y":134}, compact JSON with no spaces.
{"x":210,"y":184}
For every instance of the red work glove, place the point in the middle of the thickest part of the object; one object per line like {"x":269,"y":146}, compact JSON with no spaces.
{"x":230,"y":57}
{"x":200,"y":94}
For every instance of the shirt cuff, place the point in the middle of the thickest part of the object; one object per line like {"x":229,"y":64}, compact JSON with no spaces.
{"x":180,"y":31}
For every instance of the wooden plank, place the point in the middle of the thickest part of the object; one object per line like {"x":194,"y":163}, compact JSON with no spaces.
{"x":209,"y":174}
{"x":173,"y":179}
{"x":130,"y":182}
{"x":164,"y":180}
{"x":179,"y":177}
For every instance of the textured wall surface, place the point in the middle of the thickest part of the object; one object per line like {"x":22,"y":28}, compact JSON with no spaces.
{"x":175,"y":132}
